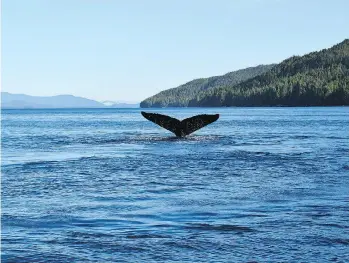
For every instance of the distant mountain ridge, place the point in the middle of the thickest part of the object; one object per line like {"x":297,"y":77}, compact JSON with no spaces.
{"x":182,"y":95}
{"x":319,"y":78}
{"x":22,"y":101}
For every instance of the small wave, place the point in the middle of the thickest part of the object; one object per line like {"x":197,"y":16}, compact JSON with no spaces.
{"x":336,"y":137}
{"x":195,"y":214}
{"x":333,"y":225}
{"x":183,"y":244}
{"x":165,"y":190}
{"x":208,"y":227}
{"x":336,"y":241}
{"x":163,"y":225}
{"x":263,"y":153}
{"x":87,"y":235}
{"x":142,"y":236}
{"x":42,"y":160}
{"x":250,"y":215}
{"x":38,"y":257}
{"x":318,"y":214}
{"x":107,"y":141}
{"x":40,"y":163}
{"x":343,"y":150}
{"x":342,"y":241}
{"x":301,"y":137}
{"x":346,"y":167}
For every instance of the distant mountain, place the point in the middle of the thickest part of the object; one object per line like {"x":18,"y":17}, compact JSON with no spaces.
{"x":9,"y":100}
{"x":316,"y":79}
{"x":21,"y":101}
{"x":182,"y":95}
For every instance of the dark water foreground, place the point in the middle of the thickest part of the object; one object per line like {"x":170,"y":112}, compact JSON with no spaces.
{"x":260,"y":184}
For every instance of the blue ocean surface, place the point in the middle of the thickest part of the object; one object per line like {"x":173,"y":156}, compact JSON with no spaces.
{"x":106,"y":185}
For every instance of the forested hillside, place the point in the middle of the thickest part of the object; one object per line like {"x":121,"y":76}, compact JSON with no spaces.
{"x":315,"y":79}
{"x":182,"y":95}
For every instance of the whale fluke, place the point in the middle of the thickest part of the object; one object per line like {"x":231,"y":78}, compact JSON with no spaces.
{"x":181,"y":128}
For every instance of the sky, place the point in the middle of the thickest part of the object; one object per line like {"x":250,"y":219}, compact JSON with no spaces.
{"x":130,"y":50}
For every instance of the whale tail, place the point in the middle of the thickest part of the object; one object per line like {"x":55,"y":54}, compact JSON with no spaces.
{"x":181,"y":128}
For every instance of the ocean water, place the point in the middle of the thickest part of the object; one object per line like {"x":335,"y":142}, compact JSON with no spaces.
{"x":106,"y":185}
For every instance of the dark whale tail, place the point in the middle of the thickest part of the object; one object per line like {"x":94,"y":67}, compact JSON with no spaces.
{"x":181,"y":128}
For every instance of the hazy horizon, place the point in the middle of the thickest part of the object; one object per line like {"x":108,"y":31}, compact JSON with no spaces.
{"x":129,"y":51}
{"x":116,"y":101}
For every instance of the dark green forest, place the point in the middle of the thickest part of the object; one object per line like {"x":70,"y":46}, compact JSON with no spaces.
{"x":316,"y":79}
{"x":182,"y":95}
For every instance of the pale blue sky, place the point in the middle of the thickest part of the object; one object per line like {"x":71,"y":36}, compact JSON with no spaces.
{"x":132,"y":49}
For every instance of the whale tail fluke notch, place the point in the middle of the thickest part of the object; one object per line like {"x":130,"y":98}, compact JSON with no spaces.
{"x":181,"y":128}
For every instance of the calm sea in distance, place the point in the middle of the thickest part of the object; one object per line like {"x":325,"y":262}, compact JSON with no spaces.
{"x":106,"y":185}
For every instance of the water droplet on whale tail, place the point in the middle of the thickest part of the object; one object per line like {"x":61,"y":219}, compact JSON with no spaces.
{"x":184,"y":127}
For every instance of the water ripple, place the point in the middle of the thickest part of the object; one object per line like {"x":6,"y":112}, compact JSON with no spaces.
{"x":108,"y":186}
